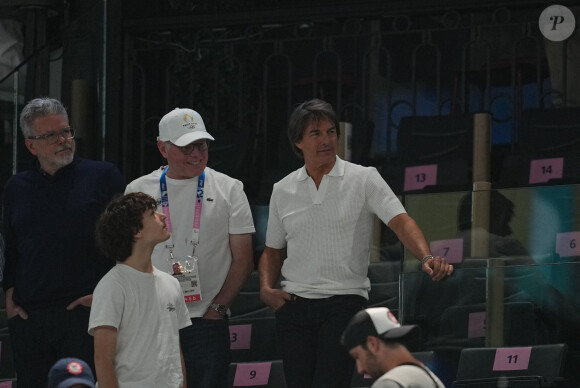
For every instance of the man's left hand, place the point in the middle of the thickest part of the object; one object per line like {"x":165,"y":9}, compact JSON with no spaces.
{"x":438,"y":268}
{"x":86,"y":301}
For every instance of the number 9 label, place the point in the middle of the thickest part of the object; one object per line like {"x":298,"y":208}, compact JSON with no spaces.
{"x":251,"y":374}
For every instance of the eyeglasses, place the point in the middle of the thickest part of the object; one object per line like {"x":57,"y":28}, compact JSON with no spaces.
{"x":188,"y":149}
{"x":52,"y":137}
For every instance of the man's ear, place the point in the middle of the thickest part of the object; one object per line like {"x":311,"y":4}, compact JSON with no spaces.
{"x":31,"y":146}
{"x":161,"y":148}
{"x":373,"y":343}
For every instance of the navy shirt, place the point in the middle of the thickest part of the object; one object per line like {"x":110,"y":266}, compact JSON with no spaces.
{"x":49,"y":230}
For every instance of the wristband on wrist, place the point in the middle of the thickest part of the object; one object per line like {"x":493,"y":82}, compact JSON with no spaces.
{"x":424,"y":259}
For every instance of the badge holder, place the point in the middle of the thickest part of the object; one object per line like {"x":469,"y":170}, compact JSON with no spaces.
{"x":187,"y":274}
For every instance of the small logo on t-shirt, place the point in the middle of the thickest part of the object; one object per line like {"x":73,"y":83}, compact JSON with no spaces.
{"x":170,"y":307}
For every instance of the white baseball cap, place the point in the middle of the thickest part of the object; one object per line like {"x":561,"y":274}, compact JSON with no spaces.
{"x":182,"y":126}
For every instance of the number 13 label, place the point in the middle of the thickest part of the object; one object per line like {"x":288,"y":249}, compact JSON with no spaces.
{"x":416,"y":178}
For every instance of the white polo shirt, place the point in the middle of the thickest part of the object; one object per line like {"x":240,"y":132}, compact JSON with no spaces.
{"x":328,"y":231}
{"x":225,"y":211}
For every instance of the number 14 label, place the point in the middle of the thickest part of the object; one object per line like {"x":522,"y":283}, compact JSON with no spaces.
{"x":542,"y":170}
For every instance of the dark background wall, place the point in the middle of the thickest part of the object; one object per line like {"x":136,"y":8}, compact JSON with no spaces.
{"x":244,"y":64}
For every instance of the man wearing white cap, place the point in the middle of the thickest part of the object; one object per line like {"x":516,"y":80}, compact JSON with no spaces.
{"x":373,"y":338}
{"x":210,"y":249}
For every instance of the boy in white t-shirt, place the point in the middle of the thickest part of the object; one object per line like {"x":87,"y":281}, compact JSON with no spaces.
{"x":137,"y":310}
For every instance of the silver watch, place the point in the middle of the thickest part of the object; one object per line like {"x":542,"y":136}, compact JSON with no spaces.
{"x":220,"y":308}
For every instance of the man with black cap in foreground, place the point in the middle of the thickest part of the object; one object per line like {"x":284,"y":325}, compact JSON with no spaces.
{"x":373,"y":338}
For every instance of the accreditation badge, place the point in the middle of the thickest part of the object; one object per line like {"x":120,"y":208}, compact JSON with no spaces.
{"x":187,"y":274}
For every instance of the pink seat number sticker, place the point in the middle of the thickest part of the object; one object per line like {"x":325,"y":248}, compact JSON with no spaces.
{"x":542,"y":170}
{"x":248,"y":375}
{"x":512,"y":358}
{"x":240,"y":336}
{"x":416,"y":178}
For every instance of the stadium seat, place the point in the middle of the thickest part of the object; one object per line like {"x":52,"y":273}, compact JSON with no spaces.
{"x":535,"y":366}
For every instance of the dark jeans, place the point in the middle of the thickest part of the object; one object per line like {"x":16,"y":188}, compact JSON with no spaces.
{"x":206,"y":351}
{"x":45,"y":337}
{"x":309,"y":332}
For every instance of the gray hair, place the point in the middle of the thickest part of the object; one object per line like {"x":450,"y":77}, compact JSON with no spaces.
{"x":39,"y":107}
{"x":303,"y":115}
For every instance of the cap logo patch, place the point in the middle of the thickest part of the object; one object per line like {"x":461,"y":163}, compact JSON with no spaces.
{"x":188,"y":121}
{"x":74,"y":368}
{"x":391,"y":317}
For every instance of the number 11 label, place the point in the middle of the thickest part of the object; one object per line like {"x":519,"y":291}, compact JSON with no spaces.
{"x":512,"y":358}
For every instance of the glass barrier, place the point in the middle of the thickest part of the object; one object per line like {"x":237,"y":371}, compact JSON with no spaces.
{"x":536,"y":225}
{"x":11,"y":99}
{"x":493,"y":303}
{"x":62,"y":58}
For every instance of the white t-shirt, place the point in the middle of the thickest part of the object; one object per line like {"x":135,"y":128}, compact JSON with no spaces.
{"x":408,"y":376}
{"x":148,"y":310}
{"x":225,"y":211}
{"x":328,"y":231}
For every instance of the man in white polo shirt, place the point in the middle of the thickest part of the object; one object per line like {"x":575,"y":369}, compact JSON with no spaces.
{"x":318,"y":238}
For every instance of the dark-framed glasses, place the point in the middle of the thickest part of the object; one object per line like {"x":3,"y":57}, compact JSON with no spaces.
{"x":50,"y":138}
{"x":188,"y":149}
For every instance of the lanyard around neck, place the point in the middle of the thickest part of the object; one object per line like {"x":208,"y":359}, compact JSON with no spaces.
{"x":197,"y":213}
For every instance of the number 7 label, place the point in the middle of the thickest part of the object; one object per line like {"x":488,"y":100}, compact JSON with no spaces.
{"x":452,"y":249}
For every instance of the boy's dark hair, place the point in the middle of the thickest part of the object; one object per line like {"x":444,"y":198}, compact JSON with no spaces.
{"x":120,"y":222}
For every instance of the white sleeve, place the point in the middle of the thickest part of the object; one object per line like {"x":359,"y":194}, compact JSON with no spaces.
{"x":108,"y":304}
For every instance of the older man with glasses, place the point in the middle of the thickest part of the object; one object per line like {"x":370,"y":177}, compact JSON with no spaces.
{"x":52,"y":263}
{"x":210,"y":249}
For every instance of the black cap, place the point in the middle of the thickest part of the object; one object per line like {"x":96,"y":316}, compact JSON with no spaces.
{"x":378,"y":322}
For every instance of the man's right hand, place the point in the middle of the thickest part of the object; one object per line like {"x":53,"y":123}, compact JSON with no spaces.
{"x":274,"y":298}
{"x":12,"y":309}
